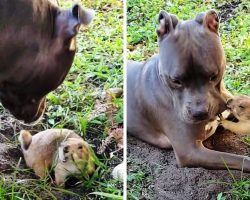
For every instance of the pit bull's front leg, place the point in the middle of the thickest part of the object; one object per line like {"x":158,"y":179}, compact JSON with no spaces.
{"x":192,"y":153}
{"x":156,"y":139}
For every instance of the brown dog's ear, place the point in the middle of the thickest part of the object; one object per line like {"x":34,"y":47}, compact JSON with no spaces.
{"x":167,"y":22}
{"x":68,"y":21}
{"x":199,"y":17}
{"x":210,"y":20}
{"x":84,"y":16}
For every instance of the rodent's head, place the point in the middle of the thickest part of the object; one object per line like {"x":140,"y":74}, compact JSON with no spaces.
{"x":74,"y":149}
{"x":240,"y":107}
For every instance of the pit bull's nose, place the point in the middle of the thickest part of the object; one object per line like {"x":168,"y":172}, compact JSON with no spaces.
{"x":200,"y":115}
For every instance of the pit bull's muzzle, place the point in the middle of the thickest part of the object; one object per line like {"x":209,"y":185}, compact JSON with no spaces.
{"x":24,"y":107}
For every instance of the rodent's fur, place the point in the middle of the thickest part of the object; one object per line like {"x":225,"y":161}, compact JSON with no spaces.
{"x":59,"y":148}
{"x":239,"y":106}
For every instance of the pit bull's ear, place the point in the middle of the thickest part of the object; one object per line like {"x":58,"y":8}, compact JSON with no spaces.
{"x":199,"y":17}
{"x":167,"y":22}
{"x":67,"y":22}
{"x":84,"y":16}
{"x":210,"y":20}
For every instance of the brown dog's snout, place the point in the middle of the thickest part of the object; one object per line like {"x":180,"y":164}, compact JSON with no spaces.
{"x":200,"y":115}
{"x":30,"y":112}
{"x":198,"y":110}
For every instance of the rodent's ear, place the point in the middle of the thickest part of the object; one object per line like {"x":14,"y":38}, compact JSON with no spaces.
{"x":211,"y":21}
{"x":167,"y":24}
{"x":25,"y":139}
{"x":229,"y":101}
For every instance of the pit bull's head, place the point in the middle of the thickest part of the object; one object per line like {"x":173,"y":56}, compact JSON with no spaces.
{"x":191,"y":65}
{"x":37,"y":48}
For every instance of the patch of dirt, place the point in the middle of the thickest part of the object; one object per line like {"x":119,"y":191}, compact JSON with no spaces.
{"x":168,"y":182}
{"x":227,"y":10}
{"x":6,"y":153}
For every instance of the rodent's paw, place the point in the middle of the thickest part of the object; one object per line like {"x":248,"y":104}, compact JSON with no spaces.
{"x":220,"y":120}
{"x":53,"y":182}
{"x":224,"y":123}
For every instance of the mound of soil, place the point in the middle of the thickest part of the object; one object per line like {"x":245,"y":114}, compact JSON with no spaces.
{"x":168,"y":182}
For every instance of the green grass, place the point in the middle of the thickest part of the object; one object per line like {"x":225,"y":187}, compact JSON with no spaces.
{"x":240,"y":189}
{"x":235,"y":37}
{"x":247,"y":140}
{"x":138,"y":178}
{"x":97,"y":67}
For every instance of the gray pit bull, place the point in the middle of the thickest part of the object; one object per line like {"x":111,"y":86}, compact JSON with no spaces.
{"x":173,"y":95}
{"x":37,"y":48}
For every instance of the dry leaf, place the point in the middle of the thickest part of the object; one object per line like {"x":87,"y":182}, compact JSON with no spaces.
{"x":116,"y":135}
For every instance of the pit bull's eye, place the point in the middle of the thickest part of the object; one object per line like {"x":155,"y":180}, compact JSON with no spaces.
{"x":213,"y":77}
{"x":175,"y":82}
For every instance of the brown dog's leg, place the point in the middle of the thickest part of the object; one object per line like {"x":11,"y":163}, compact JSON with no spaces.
{"x":158,"y":140}
{"x":199,"y":156}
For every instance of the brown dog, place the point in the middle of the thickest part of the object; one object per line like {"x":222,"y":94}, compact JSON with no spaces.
{"x":37,"y":48}
{"x":172,"y":96}
{"x":59,"y":148}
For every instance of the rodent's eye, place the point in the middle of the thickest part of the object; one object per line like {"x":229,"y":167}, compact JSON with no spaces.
{"x":66,"y":149}
{"x":241,"y":107}
{"x":175,"y":82}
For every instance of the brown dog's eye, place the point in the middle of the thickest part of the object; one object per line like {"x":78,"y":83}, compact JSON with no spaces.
{"x":175,"y":82}
{"x":66,"y":149}
{"x":80,"y":147}
{"x":213,"y":77}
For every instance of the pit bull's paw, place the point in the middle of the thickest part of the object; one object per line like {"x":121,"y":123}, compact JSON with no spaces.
{"x":210,"y":128}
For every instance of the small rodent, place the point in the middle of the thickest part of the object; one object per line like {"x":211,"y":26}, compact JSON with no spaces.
{"x":62,"y":149}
